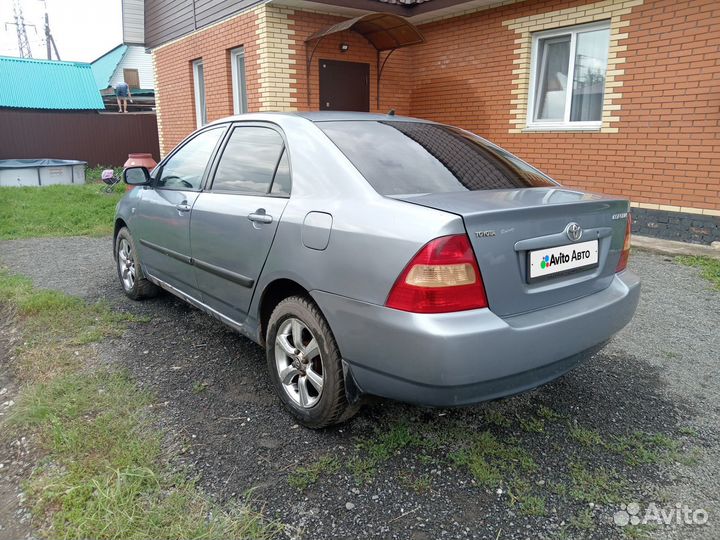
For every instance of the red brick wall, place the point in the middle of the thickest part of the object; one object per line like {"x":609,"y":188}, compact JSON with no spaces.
{"x":175,"y":78}
{"x":667,"y":150}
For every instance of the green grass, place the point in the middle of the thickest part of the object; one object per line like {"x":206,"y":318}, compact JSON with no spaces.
{"x":199,"y":387}
{"x":637,"y":532}
{"x":710,"y":267}
{"x":583,"y":521}
{"x":638,"y":448}
{"x":491,"y":461}
{"x":303,"y":477}
{"x":595,"y":486}
{"x":548,"y":414}
{"x":586,"y":437}
{"x":386,"y":442}
{"x":531,"y":424}
{"x":641,"y":448}
{"x":56,"y":211}
{"x":496,"y":418}
{"x":485,"y":473}
{"x":420,"y":484}
{"x":520,"y":494}
{"x":103,"y":474}
{"x":363,"y":469}
{"x":56,"y":326}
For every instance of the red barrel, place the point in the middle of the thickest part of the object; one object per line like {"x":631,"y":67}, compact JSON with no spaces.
{"x":140,"y":160}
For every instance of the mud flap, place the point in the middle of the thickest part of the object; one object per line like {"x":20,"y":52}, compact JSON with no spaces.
{"x":353,"y":393}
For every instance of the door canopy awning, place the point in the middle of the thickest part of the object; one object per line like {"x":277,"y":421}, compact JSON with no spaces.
{"x":384,"y":31}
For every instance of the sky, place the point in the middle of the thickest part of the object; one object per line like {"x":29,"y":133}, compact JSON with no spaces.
{"x":82,"y":29}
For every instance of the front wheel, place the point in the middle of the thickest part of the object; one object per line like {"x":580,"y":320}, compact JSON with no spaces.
{"x":304,"y":364}
{"x":129,"y":269}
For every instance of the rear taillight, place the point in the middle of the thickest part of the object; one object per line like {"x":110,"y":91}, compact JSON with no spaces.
{"x":442,"y":277}
{"x":622,"y":263}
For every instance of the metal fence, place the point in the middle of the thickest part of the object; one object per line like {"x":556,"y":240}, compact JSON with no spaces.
{"x":98,"y":138}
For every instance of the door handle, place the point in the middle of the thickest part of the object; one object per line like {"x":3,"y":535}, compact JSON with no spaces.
{"x":260,"y":217}
{"x":183,"y":207}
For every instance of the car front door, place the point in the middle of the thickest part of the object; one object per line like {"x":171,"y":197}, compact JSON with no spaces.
{"x":234,"y":221}
{"x":163,"y":213}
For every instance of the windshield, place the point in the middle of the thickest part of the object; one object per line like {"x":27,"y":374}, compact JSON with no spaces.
{"x":403,"y":158}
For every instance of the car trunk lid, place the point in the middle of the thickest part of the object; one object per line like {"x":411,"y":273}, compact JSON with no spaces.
{"x":506,"y":225}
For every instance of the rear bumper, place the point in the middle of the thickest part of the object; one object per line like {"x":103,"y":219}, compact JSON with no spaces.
{"x":466,"y":357}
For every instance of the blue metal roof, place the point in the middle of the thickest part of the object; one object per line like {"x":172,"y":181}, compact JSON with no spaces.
{"x":104,"y":67}
{"x":47,"y":84}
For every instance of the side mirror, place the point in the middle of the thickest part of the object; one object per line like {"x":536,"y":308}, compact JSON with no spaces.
{"x":136,"y":176}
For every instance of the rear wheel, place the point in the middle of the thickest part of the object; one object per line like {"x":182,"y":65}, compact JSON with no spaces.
{"x":304,"y":364}
{"x":129,"y":268}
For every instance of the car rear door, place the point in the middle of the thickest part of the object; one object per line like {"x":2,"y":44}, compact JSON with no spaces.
{"x":234,"y":220}
{"x":162,"y":217}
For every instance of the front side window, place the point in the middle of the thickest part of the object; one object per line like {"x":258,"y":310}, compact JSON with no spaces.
{"x":249,"y":161}
{"x":184,"y":170}
{"x":408,"y":158}
{"x":568,"y":76}
{"x":237,"y":65}
{"x":199,"y":87}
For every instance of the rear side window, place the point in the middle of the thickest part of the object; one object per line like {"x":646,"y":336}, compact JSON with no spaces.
{"x":249,"y":160}
{"x":403,"y":158}
{"x":282,"y":183}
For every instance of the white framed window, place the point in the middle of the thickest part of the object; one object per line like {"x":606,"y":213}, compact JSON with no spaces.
{"x":199,"y":84}
{"x":567,"y":77}
{"x":237,"y":64}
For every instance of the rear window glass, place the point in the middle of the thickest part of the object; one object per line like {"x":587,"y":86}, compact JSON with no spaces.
{"x":403,"y":158}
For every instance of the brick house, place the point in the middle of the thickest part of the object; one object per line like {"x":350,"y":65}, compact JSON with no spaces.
{"x":642,"y":118}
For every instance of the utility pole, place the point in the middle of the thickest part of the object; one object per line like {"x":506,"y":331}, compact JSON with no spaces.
{"x":20,"y":27}
{"x":49,"y":40}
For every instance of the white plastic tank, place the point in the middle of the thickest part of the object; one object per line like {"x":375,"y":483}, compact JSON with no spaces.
{"x":41,"y":172}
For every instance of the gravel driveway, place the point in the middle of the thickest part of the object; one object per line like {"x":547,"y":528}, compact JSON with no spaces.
{"x":398,"y":471}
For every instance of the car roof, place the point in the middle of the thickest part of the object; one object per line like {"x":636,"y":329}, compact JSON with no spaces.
{"x":323,"y":116}
{"x":334,"y":116}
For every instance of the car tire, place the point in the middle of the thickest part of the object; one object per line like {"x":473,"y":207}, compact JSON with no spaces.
{"x":291,"y":373}
{"x":129,"y":268}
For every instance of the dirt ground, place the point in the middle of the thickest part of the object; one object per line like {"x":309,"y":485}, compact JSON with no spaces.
{"x":365,"y":479}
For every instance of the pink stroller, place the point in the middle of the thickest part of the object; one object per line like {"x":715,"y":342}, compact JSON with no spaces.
{"x":110,"y":180}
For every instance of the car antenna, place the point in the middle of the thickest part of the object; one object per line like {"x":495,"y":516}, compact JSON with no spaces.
{"x":391,"y":112}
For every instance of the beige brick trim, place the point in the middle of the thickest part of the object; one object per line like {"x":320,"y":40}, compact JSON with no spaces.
{"x":683,"y":209}
{"x":276,"y":72}
{"x":598,"y":11}
{"x":158,"y":116}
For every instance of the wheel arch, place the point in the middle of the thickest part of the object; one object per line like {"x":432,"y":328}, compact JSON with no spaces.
{"x":119,"y":224}
{"x":275,"y":292}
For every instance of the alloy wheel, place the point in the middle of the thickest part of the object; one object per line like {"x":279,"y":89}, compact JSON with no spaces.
{"x":299,"y":363}
{"x":126,"y":264}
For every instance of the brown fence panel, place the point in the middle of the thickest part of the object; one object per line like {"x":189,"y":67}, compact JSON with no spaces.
{"x":98,"y":138}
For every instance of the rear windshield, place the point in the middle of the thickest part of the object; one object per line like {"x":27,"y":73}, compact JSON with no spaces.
{"x":404,"y":158}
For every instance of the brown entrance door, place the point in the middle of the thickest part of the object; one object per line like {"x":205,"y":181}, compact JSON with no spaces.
{"x":344,"y":86}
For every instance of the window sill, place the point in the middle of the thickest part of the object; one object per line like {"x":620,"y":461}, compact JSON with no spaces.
{"x":562,"y":127}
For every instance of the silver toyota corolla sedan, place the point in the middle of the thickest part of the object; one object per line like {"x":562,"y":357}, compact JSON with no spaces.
{"x":379,"y":255}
